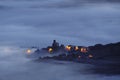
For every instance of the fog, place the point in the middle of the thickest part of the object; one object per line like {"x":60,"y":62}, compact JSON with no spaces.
{"x":26,"y":23}
{"x":14,"y":65}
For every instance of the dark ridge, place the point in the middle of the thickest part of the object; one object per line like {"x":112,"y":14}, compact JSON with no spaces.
{"x":111,"y":51}
{"x":105,"y":58}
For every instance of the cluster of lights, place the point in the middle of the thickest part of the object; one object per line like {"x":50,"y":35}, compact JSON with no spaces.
{"x":89,"y":56}
{"x":68,"y":48}
{"x":84,"y":50}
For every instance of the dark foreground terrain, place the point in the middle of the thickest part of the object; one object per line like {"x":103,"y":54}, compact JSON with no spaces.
{"x":106,"y":58}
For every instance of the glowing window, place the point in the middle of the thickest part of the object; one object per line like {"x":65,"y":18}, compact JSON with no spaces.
{"x":50,"y":49}
{"x":76,"y":48}
{"x":68,"y":48}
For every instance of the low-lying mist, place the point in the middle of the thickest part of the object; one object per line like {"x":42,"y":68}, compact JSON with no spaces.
{"x":15,"y":65}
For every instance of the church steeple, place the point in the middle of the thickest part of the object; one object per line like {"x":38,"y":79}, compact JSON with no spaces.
{"x":55,"y":45}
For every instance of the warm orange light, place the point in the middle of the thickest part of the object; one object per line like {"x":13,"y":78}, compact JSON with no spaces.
{"x":29,"y":51}
{"x":50,"y":50}
{"x":84,"y":50}
{"x":68,"y":48}
{"x":76,"y":48}
{"x":90,"y":56}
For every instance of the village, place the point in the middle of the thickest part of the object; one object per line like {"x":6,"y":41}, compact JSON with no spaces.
{"x":97,"y":52}
{"x":69,"y":52}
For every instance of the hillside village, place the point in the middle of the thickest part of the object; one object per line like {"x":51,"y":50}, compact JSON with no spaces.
{"x":82,"y":53}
